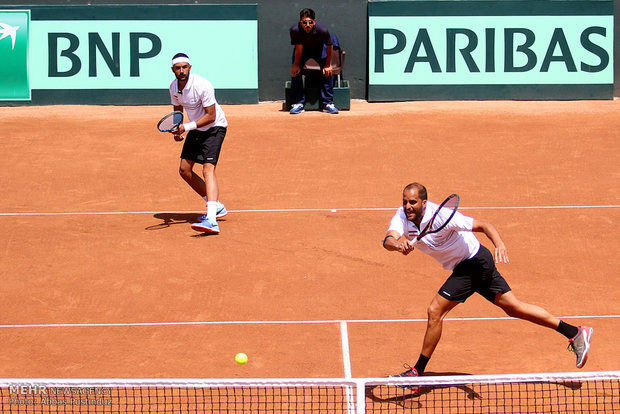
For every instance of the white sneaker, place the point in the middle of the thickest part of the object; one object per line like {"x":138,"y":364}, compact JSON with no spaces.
{"x":221,"y":212}
{"x":330,"y":109}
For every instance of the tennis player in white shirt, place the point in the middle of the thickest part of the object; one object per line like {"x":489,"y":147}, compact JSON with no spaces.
{"x":473,"y":269}
{"x":206,"y":131}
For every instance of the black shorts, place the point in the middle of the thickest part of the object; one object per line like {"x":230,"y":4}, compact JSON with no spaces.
{"x":204,"y":147}
{"x":475,"y":275}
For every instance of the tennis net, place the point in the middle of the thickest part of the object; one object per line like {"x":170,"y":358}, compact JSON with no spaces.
{"x":593,"y":392}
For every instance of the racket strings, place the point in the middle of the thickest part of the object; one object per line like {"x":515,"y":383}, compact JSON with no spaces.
{"x":442,"y":216}
{"x":170,"y":122}
{"x":445,"y":213}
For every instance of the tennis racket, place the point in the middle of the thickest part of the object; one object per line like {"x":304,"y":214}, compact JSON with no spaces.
{"x":170,"y":122}
{"x":442,"y":216}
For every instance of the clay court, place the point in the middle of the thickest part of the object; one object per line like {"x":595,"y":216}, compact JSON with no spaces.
{"x":104,"y":278}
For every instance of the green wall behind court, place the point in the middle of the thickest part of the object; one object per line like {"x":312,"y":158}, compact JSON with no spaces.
{"x":346,"y":18}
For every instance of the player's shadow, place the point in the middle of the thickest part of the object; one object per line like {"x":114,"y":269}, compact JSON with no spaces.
{"x":572,"y":385}
{"x":171,"y":219}
{"x":407,"y":398}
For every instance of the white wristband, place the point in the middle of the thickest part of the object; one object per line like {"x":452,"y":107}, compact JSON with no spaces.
{"x":189,"y":126}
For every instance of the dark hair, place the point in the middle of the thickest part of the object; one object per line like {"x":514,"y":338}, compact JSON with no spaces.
{"x":417,"y":186}
{"x":179,"y":55}
{"x":306,"y":13}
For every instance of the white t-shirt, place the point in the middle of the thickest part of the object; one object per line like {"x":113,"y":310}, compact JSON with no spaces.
{"x":453,"y":244}
{"x":197,"y":94}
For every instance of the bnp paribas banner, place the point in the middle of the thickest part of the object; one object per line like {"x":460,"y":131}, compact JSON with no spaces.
{"x":122,"y":54}
{"x":425,"y":50}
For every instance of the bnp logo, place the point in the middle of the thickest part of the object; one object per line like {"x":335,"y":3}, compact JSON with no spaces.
{"x":6,"y":30}
{"x":14,"y":83}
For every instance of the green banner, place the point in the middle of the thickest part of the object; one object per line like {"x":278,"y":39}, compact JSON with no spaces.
{"x":122,"y":54}
{"x":137,"y":54}
{"x":422,"y":50}
{"x":14,"y":80}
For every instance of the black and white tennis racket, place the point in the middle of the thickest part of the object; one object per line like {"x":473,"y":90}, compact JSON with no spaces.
{"x":442,"y":216}
{"x":170,"y":122}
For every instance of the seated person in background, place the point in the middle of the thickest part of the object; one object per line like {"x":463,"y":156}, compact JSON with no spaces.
{"x":309,"y":37}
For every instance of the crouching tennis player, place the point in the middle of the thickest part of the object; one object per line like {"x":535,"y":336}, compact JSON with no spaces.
{"x":473,"y":271}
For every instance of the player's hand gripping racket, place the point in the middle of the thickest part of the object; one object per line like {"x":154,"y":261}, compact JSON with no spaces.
{"x":442,"y":216}
{"x":170,"y":123}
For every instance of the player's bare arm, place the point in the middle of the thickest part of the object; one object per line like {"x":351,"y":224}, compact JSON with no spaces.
{"x":295,"y":69}
{"x":176,"y":134}
{"x":394,"y":243}
{"x":501,"y":254}
{"x":206,"y":119}
{"x":327,"y":70}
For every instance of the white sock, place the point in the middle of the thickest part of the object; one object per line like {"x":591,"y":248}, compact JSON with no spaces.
{"x":219,"y":205}
{"x":211,"y":210}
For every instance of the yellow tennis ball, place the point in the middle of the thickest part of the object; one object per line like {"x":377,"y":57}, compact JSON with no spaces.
{"x":241,"y":358}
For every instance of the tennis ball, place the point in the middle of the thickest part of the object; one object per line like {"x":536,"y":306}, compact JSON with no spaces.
{"x":241,"y":358}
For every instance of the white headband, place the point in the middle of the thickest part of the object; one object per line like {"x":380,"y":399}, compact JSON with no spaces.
{"x":180,"y":59}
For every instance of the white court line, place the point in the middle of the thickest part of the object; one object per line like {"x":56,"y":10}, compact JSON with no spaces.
{"x":282,"y":322}
{"x":294,"y":210}
{"x":346,"y":356}
{"x":346,"y":362}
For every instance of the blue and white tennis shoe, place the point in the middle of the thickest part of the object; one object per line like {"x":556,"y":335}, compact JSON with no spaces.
{"x":207,"y":226}
{"x":221,"y":212}
{"x":297,"y":109}
{"x":330,"y":109}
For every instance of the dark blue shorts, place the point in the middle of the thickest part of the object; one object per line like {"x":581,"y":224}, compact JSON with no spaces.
{"x":475,"y":275}
{"x":204,"y":147}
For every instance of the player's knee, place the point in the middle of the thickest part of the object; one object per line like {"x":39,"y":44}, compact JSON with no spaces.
{"x":434,"y":314}
{"x":208,"y":169}
{"x":438,"y":309}
{"x":185,"y":173}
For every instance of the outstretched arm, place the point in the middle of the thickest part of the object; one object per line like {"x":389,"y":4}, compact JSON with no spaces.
{"x":393,"y":243}
{"x":501,"y":254}
{"x":206,"y":119}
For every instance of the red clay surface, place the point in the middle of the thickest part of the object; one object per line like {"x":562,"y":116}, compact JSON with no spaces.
{"x":146,"y":265}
